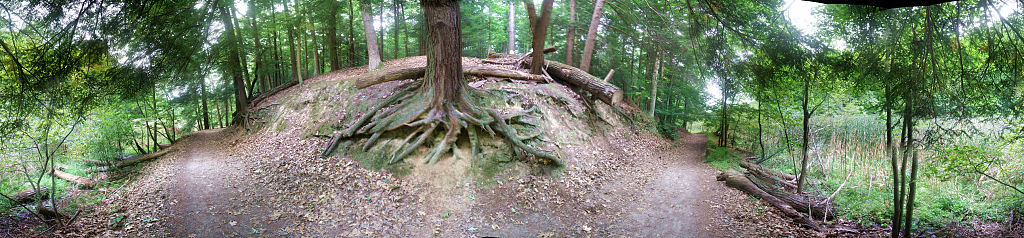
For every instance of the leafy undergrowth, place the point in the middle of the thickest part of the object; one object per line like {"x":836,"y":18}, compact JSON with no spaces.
{"x":722,"y":158}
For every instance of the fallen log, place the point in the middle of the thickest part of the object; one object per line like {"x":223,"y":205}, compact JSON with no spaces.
{"x":99,"y":162}
{"x":736,"y":180}
{"x":414,"y":72}
{"x":275,"y":90}
{"x":752,"y":166}
{"x":766,"y":174}
{"x":97,"y":169}
{"x":504,"y":73}
{"x":503,"y":58}
{"x":816,"y":210}
{"x":82,"y":182}
{"x":604,"y":91}
{"x":29,"y":195}
{"x":146,"y":157}
{"x":388,"y":74}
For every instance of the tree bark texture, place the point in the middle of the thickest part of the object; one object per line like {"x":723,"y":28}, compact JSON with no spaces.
{"x":233,"y":64}
{"x":607,"y":93}
{"x":292,"y":45}
{"x":395,"y":26}
{"x":142,"y":158}
{"x":806,"y":134}
{"x":332,"y":34}
{"x":512,"y":27}
{"x":570,"y":39}
{"x":588,"y":46}
{"x":540,"y":30}
{"x":28,"y":195}
{"x":654,"y":80}
{"x":262,"y":78}
{"x":736,"y":180}
{"x":443,"y":76}
{"x":372,"y":50}
{"x":81,"y":182}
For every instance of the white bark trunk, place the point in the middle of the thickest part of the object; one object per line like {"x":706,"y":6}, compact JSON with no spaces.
{"x":511,"y":27}
{"x":371,"y":37}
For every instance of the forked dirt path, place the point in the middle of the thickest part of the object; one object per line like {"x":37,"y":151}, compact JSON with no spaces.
{"x":204,"y":189}
{"x":667,"y":194}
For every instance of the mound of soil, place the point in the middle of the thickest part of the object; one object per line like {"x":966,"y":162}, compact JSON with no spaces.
{"x":618,"y":179}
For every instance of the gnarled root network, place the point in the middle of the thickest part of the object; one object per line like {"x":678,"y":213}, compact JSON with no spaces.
{"x":410,"y":107}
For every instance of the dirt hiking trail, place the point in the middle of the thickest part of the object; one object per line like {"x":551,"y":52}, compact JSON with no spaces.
{"x":203,"y":190}
{"x":675,"y":204}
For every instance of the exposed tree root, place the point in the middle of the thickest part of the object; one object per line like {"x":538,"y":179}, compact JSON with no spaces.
{"x":410,"y":107}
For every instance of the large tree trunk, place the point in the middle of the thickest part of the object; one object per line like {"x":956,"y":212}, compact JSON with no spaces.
{"x":511,"y":27}
{"x":815,"y":210}
{"x":371,"y":37}
{"x":233,"y":65}
{"x":277,"y":49}
{"x":250,"y":82}
{"x":539,"y":26}
{"x":443,"y":77}
{"x":316,"y":57}
{"x":203,"y":98}
{"x":303,"y":36}
{"x":588,"y":46}
{"x":405,"y":29}
{"x":292,"y":46}
{"x":570,"y":39}
{"x":253,"y":11}
{"x":395,"y":26}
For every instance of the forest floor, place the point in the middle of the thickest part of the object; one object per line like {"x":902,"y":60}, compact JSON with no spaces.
{"x":617,"y":181}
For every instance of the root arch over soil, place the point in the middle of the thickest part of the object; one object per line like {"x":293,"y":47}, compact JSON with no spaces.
{"x":409,"y":109}
{"x":414,"y":107}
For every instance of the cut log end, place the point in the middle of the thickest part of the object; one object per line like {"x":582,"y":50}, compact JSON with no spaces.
{"x":616,"y":97}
